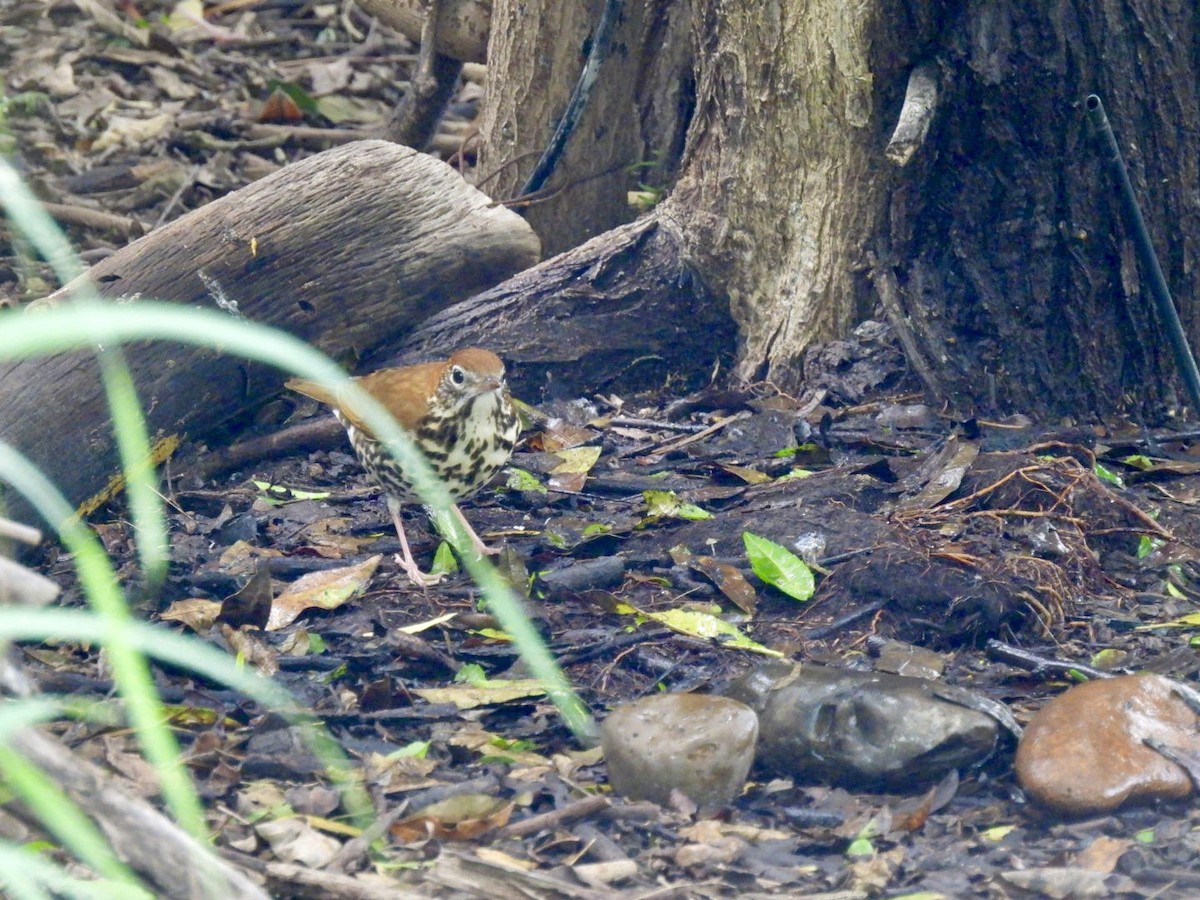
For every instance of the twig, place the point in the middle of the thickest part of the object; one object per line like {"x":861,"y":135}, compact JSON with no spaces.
{"x":1038,"y":664}
{"x":577,"y":810}
{"x":94,"y":218}
{"x":17,"y":531}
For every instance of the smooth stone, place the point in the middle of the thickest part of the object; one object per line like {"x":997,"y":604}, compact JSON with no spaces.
{"x":698,"y":744}
{"x":1084,"y":751}
{"x":864,"y":730}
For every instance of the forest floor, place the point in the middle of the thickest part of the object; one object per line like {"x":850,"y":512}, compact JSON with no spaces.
{"x":1085,"y":537}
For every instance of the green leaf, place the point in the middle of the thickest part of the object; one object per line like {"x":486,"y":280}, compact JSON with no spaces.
{"x":708,"y":627}
{"x":521,"y":480}
{"x":276,"y":494}
{"x":859,"y":848}
{"x":666,"y":505}
{"x":997,"y":832}
{"x":415,"y":749}
{"x":693,"y":512}
{"x":444,"y":562}
{"x":779,"y":567}
{"x":299,"y":96}
{"x":1108,"y":475}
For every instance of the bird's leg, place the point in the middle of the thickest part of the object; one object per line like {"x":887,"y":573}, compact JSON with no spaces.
{"x":407,"y":564}
{"x":443,"y":525}
{"x":476,"y":541}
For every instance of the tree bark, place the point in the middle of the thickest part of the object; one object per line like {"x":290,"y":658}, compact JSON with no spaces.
{"x":988,"y":233}
{"x":1006,"y":237}
{"x":782,"y":183}
{"x":622,"y":313}
{"x":462,"y":24}
{"x":637,"y":114}
{"x":346,"y":249}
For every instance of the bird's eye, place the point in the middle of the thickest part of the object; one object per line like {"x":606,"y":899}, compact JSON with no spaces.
{"x":458,"y":376}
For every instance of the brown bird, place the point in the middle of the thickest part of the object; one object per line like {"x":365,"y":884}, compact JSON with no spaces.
{"x":457,"y":411}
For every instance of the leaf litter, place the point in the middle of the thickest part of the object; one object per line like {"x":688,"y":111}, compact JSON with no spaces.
{"x":1079,"y":545}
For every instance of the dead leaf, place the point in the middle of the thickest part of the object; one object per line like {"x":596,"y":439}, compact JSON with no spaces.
{"x":239,"y":558}
{"x":558,"y":434}
{"x":941,"y":474}
{"x":197,"y":613}
{"x":746,"y":474}
{"x":728,"y":579}
{"x":488,"y":693}
{"x":460,"y":818}
{"x":251,"y":649}
{"x":323,"y":590}
{"x":252,"y":604}
{"x":1102,"y":854}
{"x":294,"y":840}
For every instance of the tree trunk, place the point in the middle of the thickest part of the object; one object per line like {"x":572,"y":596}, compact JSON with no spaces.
{"x":620,"y":314}
{"x":637,"y":112}
{"x":998,"y":248}
{"x":1006,"y":237}
{"x":783,"y":183}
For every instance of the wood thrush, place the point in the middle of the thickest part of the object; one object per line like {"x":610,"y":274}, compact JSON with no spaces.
{"x":458,"y":413}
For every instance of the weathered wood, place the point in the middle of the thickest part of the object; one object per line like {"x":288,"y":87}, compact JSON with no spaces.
{"x":172,"y":863}
{"x":345,"y":249}
{"x":623,"y":312}
{"x":463,"y":25}
{"x":637,"y":112}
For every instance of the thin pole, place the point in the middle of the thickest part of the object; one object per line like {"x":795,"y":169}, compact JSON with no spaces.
{"x":1151,"y":270}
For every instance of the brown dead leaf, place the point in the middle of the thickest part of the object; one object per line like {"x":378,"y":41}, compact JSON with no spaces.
{"x":239,"y":558}
{"x":323,"y":590}
{"x":197,"y":614}
{"x":252,"y":604}
{"x":728,"y":579}
{"x":251,"y":649}
{"x":746,"y":474}
{"x":460,"y":818}
{"x":280,"y":108}
{"x":567,"y":482}
{"x":558,"y":434}
{"x":1102,"y":854}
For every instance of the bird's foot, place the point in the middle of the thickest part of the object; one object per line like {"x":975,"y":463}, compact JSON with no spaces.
{"x":416,"y":576}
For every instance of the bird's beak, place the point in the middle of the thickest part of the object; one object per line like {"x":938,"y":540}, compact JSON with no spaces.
{"x":490,"y":384}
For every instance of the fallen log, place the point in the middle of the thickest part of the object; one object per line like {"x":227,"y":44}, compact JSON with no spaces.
{"x":346,"y":249}
{"x":624,"y":312}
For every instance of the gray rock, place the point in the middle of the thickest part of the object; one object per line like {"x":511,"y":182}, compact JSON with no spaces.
{"x":862,"y":729}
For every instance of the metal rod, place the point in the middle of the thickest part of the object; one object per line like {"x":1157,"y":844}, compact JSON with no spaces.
{"x":1151,"y":270}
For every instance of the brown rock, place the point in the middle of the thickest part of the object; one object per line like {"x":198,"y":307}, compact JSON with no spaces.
{"x":1085,"y":751}
{"x":699,"y":745}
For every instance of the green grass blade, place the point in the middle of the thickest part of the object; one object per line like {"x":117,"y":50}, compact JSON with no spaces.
{"x":129,"y":668}
{"x":133,"y":444}
{"x":26,"y":875}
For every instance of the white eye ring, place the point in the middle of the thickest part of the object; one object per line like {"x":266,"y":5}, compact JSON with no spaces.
{"x":458,"y":376}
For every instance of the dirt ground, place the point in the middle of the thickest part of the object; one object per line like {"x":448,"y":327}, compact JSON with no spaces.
{"x":964,"y":537}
